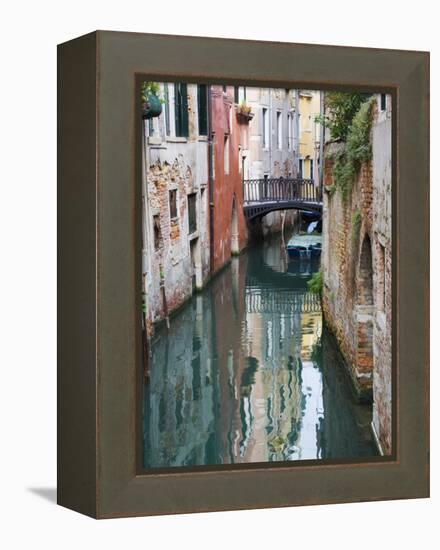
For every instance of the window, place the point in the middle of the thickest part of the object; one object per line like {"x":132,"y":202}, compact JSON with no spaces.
{"x":301,"y":168}
{"x":289,"y":131}
{"x":279,"y":130}
{"x":192,"y":213}
{"x":150,"y":127}
{"x":226,"y":155}
{"x":202,"y":105}
{"x":157,"y":232}
{"x":311,"y":169}
{"x":383,"y":102}
{"x":173,"y":203}
{"x":181,"y":109}
{"x":167,"y":108}
{"x":240,"y":94}
{"x":265,"y":128}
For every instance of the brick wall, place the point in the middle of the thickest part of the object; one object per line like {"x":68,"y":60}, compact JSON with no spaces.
{"x":356,"y":265}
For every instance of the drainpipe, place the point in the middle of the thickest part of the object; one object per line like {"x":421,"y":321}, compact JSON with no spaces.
{"x":210,"y":180}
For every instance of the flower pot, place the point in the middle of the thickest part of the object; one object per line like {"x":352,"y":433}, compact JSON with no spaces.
{"x":152,"y":107}
{"x":244,"y":118}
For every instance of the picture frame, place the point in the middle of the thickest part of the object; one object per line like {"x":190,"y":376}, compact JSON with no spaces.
{"x":99,"y":293}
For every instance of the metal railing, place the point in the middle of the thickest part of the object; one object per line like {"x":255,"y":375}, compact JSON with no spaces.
{"x":280,"y":190}
{"x":264,"y":301}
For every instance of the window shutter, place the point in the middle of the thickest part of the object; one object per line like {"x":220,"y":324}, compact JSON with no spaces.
{"x":181,"y":104}
{"x":167,"y":109}
{"x":202,"y":109}
{"x":184,"y":110}
{"x":177,"y":108}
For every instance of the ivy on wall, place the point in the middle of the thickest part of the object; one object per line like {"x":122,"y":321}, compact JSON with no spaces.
{"x":356,"y":221}
{"x":341,"y":108}
{"x":354,"y":130}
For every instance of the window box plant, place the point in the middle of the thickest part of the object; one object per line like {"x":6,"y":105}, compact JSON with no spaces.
{"x":244,"y":113}
{"x":151,"y":103}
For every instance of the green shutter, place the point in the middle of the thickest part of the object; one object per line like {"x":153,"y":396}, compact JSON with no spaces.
{"x":167,"y":109}
{"x":202,"y":109}
{"x":181,"y":109}
{"x":184,"y":107}
{"x":177,"y":108}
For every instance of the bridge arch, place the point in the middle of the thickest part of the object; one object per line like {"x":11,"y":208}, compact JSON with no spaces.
{"x":262,"y":196}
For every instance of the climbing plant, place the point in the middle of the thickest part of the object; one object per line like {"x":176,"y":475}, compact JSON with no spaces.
{"x":356,"y":221}
{"x":357,"y":149}
{"x":150,"y":88}
{"x":315,"y":283}
{"x":341,"y":107}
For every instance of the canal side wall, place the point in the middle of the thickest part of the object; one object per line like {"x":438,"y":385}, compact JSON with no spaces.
{"x":356,"y":266}
{"x":176,"y":258}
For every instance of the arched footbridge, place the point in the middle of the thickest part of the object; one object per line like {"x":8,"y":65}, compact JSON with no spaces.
{"x":261,"y":196}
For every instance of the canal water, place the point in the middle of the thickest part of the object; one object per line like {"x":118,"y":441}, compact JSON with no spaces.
{"x":246,"y":373}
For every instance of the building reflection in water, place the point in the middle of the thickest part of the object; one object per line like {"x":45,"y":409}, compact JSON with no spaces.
{"x":245,"y":373}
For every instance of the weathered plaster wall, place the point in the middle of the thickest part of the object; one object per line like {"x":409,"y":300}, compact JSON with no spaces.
{"x":356,"y":264}
{"x":175,"y":259}
{"x":274,"y":159}
{"x":278,"y":158}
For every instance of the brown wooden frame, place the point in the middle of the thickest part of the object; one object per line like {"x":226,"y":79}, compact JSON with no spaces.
{"x":99,"y":262}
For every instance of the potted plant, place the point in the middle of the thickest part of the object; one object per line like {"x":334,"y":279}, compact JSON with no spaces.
{"x":244,"y":112}
{"x":151,"y":102}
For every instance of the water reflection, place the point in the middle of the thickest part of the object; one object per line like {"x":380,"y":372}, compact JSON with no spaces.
{"x":247,"y":374}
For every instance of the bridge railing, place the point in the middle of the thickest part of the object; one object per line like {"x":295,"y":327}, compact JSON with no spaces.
{"x":264,"y":301}
{"x":280,"y":190}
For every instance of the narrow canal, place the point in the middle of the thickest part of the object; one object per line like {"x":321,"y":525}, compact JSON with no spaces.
{"x":246,"y":373}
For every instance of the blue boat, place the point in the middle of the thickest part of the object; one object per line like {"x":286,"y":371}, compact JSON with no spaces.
{"x":304,"y":252}
{"x":315,"y":251}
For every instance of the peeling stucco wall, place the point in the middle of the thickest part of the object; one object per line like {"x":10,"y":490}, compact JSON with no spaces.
{"x":175,"y":261}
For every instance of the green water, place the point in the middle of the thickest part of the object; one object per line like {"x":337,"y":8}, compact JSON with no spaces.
{"x":246,"y":373}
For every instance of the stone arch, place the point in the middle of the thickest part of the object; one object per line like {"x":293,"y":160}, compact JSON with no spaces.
{"x":235,"y":245}
{"x":364,"y":319}
{"x":365,"y":273}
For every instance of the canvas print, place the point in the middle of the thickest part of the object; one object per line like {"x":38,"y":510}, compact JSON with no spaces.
{"x":266,"y":275}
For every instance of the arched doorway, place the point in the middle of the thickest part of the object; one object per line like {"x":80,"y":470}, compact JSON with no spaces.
{"x":235,"y":246}
{"x":365,"y":283}
{"x":364,"y":319}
